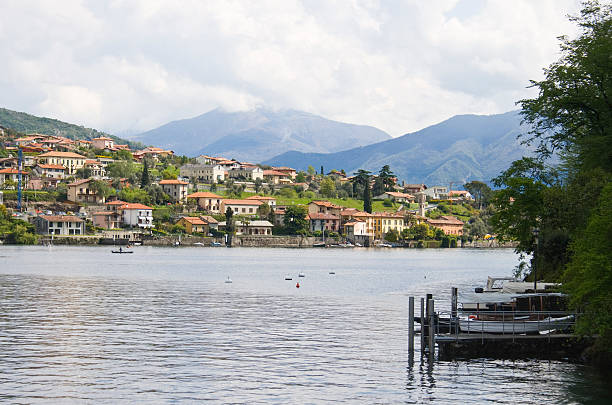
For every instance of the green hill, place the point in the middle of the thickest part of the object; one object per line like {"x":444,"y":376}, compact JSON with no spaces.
{"x":27,"y":124}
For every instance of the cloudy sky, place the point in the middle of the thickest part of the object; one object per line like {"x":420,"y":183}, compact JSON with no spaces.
{"x":128,"y":66}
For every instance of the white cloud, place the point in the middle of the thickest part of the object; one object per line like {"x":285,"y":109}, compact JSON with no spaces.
{"x":133,"y":65}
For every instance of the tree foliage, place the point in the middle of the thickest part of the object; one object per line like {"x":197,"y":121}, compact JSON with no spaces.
{"x":295,"y":221}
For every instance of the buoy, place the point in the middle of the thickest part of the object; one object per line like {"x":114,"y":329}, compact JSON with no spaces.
{"x":297,"y":285}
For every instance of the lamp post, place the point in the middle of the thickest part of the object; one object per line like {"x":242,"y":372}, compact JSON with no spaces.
{"x":536,"y":257}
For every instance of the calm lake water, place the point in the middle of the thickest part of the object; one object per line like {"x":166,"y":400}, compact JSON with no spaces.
{"x":79,"y":324}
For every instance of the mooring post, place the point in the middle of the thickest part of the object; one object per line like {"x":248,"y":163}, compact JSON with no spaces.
{"x":422,"y":325}
{"x":432,"y":332}
{"x":411,"y":324}
{"x":453,"y":320}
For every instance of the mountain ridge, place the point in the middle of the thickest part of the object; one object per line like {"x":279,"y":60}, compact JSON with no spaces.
{"x":462,"y":148}
{"x":265,"y":132}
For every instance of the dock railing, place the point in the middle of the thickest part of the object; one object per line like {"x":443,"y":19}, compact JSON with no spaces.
{"x":448,"y":324}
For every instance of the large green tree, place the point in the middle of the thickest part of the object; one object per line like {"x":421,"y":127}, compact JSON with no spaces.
{"x":295,"y":220}
{"x":563,"y":217}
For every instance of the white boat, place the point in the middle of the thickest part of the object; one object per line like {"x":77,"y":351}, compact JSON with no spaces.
{"x":301,"y":275}
{"x":228,"y":280}
{"x":332,"y":272}
{"x":288,"y":277}
{"x":517,"y":325}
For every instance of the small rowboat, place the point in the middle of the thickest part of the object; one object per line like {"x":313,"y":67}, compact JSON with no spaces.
{"x":122,"y":251}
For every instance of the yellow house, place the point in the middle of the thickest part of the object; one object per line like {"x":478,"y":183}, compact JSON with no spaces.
{"x":193,"y":224}
{"x":384,"y":222}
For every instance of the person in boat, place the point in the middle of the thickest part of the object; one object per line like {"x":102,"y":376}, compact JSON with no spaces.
{"x":120,"y":249}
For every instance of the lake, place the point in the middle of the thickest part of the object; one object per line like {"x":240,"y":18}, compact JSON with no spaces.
{"x":79,"y":324}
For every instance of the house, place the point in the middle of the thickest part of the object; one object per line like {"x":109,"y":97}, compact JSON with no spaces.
{"x":258,"y":227}
{"x":279,"y":216}
{"x":319,"y":221}
{"x":176,"y":189}
{"x":271,"y":201}
{"x":356,"y":231}
{"x":193,"y":224}
{"x":385,"y":222}
{"x":209,"y":174}
{"x":65,"y":225}
{"x":53,"y":171}
{"x":247,"y":173}
{"x":151,"y":153}
{"x":80,"y":191}
{"x":276,"y":177}
{"x":449,"y":224}
{"x":288,"y":171}
{"x":414,"y":188}
{"x":241,"y":207}
{"x":13,"y":175}
{"x":437,"y":192}
{"x":98,"y":170}
{"x":102,"y":142}
{"x":396,"y":196}
{"x":137,"y":215}
{"x":111,"y":217}
{"x":207,"y":201}
{"x":70,"y":160}
{"x":460,"y":195}
{"x":210,"y":221}
{"x":324,"y":207}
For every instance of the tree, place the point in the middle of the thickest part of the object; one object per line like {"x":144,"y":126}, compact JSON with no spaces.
{"x":258,"y":184}
{"x":328,"y":187}
{"x":300,"y":177}
{"x":311,"y":171}
{"x":379,"y":186}
{"x":84,"y":172}
{"x":367,"y":198}
{"x":322,"y":172}
{"x":145,"y":180}
{"x":229,"y":224}
{"x":295,"y":221}
{"x":573,"y":110}
{"x":101,"y":188}
{"x":480,"y":191}
{"x":170,"y":173}
{"x":387,"y":177}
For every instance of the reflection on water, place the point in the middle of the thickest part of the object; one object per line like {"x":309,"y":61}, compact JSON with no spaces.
{"x":78,"y":324}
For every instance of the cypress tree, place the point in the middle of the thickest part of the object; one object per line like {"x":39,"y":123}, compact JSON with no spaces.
{"x":367,"y":198}
{"x":145,"y":180}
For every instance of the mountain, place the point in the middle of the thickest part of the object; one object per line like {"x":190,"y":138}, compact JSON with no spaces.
{"x":462,"y":148}
{"x":259,"y":134}
{"x":26,"y":123}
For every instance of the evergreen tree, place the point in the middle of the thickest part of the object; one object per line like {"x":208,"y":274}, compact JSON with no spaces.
{"x":145,"y":180}
{"x":367,"y":198}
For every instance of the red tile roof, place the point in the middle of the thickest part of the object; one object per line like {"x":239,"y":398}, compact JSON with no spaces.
{"x":135,"y":206}
{"x":116,"y":202}
{"x":204,"y":194}
{"x":79,"y":182}
{"x":274,"y":173}
{"x":322,"y":215}
{"x":326,"y":204}
{"x":242,"y":202}
{"x":42,"y":166}
{"x":261,"y":198}
{"x":172,"y":181}
{"x":209,"y":219}
{"x":12,"y":171}
{"x":194,"y":220}
{"x":61,"y":218}
{"x":62,"y":154}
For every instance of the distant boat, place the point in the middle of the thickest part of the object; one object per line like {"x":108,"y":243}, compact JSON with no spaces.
{"x":228,"y":280}
{"x":332,"y":272}
{"x":301,"y":274}
{"x":198,"y":244}
{"x":288,"y":277}
{"x":318,"y":244}
{"x":122,"y":251}
{"x":215,"y":244}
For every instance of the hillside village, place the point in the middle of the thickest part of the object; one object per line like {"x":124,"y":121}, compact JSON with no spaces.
{"x":97,"y":188}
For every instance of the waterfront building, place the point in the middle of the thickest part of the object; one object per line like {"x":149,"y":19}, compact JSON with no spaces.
{"x":64,"y":225}
{"x":449,"y":224}
{"x":193,"y":224}
{"x":207,"y":201}
{"x":319,"y":221}
{"x":137,"y":215}
{"x":248,"y":227}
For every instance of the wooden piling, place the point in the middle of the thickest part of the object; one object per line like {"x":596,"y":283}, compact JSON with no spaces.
{"x":411,"y":324}
{"x":432,"y":331}
{"x":422,"y":325}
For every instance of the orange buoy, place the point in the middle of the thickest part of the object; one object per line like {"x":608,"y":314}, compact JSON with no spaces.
{"x":297,"y":285}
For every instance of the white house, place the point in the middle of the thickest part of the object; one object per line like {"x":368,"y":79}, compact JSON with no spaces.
{"x":207,"y":201}
{"x":248,"y":173}
{"x":137,"y":215}
{"x":176,"y":189}
{"x":59,"y":225}
{"x":71,"y":161}
{"x":242,"y":207}
{"x":203,"y":173}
